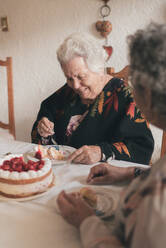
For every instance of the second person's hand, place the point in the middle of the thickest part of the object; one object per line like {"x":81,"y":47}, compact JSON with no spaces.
{"x":106,"y":174}
{"x":73,"y":208}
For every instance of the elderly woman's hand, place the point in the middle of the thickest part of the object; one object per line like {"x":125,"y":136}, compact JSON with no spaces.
{"x":45,"y":127}
{"x":73,"y":208}
{"x":86,"y":155}
{"x":107,"y":174}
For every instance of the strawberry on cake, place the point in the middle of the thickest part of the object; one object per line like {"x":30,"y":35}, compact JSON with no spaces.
{"x":22,"y":179}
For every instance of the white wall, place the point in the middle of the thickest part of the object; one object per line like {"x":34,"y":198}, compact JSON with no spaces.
{"x":36,"y":29}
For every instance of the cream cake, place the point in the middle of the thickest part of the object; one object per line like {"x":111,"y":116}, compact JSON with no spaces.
{"x":22,"y":179}
{"x":48,"y":152}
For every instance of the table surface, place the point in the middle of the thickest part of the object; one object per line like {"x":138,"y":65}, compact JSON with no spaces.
{"x":36,"y":223}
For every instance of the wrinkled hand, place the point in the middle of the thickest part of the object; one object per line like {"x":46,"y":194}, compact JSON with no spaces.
{"x":107,"y":174}
{"x":45,"y":127}
{"x":73,"y":208}
{"x":86,"y":155}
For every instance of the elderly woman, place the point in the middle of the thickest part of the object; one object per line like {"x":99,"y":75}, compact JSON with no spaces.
{"x":140,"y":219}
{"x":93,"y":111}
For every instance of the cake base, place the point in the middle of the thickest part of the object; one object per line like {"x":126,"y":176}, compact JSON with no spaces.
{"x":29,"y":195}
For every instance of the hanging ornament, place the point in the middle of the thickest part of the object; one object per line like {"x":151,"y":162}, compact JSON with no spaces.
{"x":108,"y":50}
{"x":104,"y":27}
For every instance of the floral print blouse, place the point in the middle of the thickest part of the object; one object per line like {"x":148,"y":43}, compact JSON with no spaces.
{"x":112,"y":122}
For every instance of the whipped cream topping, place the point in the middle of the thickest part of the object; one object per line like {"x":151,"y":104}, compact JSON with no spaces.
{"x":14,"y":175}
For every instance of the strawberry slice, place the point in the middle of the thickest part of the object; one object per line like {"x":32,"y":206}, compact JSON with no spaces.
{"x":38,"y":155}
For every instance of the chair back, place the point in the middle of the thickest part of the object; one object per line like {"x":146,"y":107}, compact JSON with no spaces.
{"x":11,"y":122}
{"x":124,"y":74}
{"x":163,"y":146}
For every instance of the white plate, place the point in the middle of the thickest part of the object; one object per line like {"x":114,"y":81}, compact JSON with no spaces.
{"x":120,"y":163}
{"x":107,"y":201}
{"x":29,"y":198}
{"x":67,"y":150}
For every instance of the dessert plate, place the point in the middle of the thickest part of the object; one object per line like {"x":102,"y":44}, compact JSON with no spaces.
{"x":107,"y":201}
{"x":29,"y":198}
{"x":66,"y":150}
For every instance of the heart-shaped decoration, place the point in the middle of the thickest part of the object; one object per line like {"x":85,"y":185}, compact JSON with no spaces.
{"x":98,"y":25}
{"x":104,"y":27}
{"x":108,"y":50}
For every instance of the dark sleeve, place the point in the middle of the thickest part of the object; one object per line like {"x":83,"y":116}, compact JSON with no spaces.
{"x":133,"y":140}
{"x":52,"y":108}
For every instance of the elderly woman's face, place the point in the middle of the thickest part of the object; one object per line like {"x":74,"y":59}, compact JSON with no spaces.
{"x":82,"y":80}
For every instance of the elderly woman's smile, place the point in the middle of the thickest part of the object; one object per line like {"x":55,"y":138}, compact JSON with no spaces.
{"x":86,"y":83}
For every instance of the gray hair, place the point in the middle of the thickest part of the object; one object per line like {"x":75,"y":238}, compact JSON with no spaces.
{"x":147,"y":52}
{"x":82,"y":45}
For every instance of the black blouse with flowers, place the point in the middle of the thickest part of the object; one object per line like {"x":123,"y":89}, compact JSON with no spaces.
{"x":112,"y":122}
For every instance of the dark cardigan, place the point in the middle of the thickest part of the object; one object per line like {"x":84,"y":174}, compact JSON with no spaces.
{"x":113,"y":122}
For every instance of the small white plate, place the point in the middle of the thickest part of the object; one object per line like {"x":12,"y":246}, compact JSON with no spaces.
{"x":107,"y":201}
{"x":67,"y":150}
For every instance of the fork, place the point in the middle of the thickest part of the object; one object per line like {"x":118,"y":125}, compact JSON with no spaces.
{"x":53,"y":141}
{"x":51,"y":136}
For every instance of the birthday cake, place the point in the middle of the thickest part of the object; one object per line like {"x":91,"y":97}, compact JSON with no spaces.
{"x":23,"y":179}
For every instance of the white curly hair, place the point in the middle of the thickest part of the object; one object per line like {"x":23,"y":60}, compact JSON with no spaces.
{"x":82,"y":45}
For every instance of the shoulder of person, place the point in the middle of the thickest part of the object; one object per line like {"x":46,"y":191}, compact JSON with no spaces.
{"x":114,"y":84}
{"x":118,"y":87}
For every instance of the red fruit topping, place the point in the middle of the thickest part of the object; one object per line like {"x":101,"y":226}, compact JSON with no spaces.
{"x":13,"y":166}
{"x":30,"y":162}
{"x":31,"y":167}
{"x":19,"y":168}
{"x":38,"y":155}
{"x":18,"y":164}
{"x":6,"y":162}
{"x":42,"y":162}
{"x":18,"y":159}
{"x":40,"y":166}
{"x":25,"y":167}
{"x":5,"y":167}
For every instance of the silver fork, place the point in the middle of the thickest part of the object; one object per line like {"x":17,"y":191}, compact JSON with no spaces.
{"x":53,"y":141}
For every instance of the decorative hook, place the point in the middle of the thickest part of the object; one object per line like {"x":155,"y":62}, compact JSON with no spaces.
{"x":105,"y":10}
{"x":105,"y":1}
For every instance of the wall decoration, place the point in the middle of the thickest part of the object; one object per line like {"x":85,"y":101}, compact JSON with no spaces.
{"x":104,"y":27}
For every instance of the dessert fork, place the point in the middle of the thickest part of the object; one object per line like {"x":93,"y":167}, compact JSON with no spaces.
{"x":53,"y":141}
